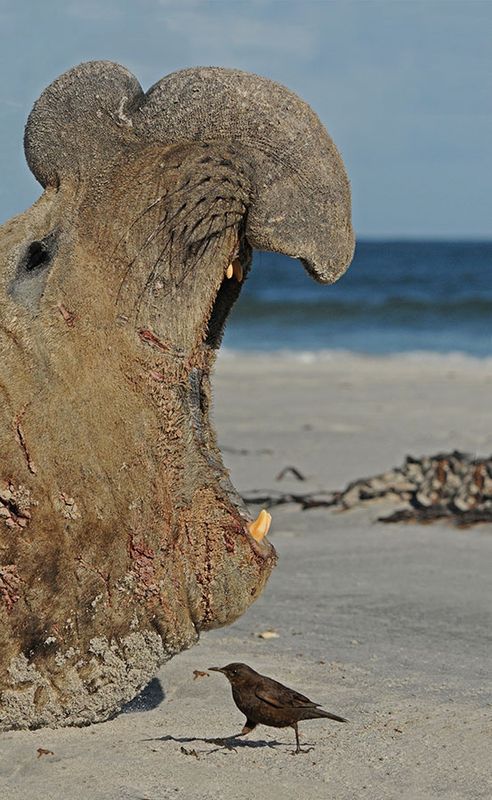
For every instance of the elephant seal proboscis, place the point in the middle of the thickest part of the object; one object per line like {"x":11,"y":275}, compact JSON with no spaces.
{"x":121,"y":535}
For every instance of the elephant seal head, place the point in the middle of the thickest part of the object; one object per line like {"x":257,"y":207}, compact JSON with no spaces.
{"x":121,"y":535}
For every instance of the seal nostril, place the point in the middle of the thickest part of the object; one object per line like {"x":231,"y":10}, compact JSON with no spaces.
{"x":28,"y":283}
{"x":37,"y":256}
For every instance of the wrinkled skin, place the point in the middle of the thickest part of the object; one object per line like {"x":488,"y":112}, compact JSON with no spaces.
{"x":121,"y":536}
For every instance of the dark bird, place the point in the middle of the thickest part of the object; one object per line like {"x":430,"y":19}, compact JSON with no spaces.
{"x":267,"y":702}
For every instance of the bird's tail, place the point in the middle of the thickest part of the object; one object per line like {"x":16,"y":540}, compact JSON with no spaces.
{"x":321,"y":713}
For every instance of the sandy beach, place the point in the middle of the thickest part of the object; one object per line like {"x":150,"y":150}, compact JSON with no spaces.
{"x":387,"y":625}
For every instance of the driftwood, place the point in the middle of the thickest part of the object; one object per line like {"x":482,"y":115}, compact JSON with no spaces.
{"x":292,"y":471}
{"x":453,"y":486}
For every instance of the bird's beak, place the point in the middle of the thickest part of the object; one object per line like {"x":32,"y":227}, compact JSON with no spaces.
{"x":215,"y":669}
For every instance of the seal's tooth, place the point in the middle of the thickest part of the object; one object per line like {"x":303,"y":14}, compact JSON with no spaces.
{"x":238,"y":271}
{"x":260,"y":527}
{"x":229,"y":271}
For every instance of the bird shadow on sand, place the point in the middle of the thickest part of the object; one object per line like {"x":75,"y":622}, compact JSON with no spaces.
{"x":227,"y":743}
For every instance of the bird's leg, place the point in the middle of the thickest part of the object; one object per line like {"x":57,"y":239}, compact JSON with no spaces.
{"x":298,"y":746}
{"x":249,"y":725}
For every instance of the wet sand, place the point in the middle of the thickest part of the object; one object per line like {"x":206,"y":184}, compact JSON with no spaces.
{"x":388,"y":626}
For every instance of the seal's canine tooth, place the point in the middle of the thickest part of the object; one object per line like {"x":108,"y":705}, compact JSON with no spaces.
{"x":237,"y":269}
{"x":260,"y":527}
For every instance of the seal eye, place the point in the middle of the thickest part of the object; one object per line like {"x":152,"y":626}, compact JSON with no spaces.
{"x":37,"y":256}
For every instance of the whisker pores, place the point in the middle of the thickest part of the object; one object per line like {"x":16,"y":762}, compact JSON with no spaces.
{"x":203,"y":198}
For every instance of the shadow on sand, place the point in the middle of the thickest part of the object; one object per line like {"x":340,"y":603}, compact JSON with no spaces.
{"x":149,"y":698}
{"x":227,"y":743}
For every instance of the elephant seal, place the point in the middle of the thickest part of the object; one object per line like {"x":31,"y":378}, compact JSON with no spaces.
{"x":121,"y":535}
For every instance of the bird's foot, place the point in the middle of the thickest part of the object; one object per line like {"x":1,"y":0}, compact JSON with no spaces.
{"x":301,"y":750}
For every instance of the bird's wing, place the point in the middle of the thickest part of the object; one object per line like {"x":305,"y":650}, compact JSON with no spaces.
{"x":280,"y":696}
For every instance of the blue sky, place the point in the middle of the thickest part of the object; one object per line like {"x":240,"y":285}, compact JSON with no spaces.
{"x":403,"y":86}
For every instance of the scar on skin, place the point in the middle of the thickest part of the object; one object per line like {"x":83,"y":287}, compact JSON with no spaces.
{"x":69,"y":317}
{"x":15,"y":505}
{"x":22,"y":441}
{"x":67,"y":506}
{"x":9,"y":586}
{"x":151,"y":338}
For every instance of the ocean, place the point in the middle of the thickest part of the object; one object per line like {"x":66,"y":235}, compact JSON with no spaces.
{"x":397,"y":297}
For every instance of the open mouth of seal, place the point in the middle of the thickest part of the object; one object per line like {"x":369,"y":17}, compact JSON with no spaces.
{"x":199,"y":402}
{"x":235,"y":271}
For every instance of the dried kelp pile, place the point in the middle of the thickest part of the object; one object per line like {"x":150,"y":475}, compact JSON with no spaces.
{"x":453,"y":486}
